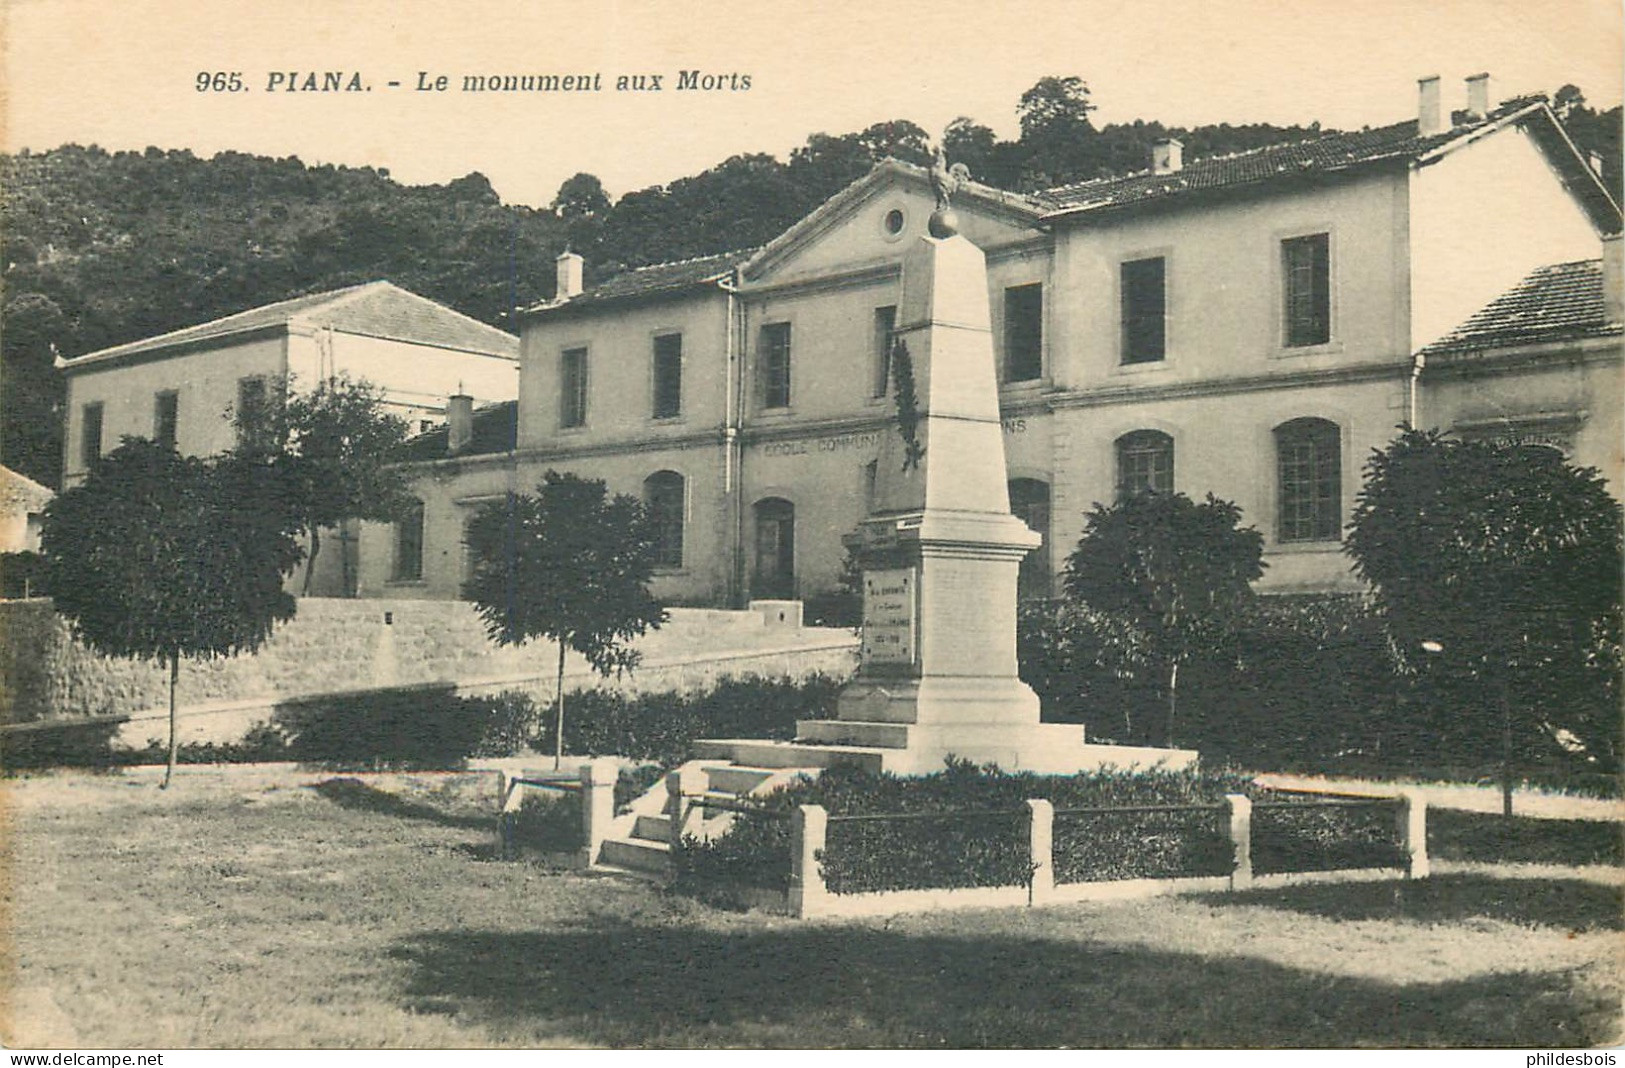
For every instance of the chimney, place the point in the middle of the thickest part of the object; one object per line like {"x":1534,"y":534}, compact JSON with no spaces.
{"x":1478,"y":97}
{"x":1429,"y":120}
{"x":1613,"y":280}
{"x":1167,"y":155}
{"x":569,"y":277}
{"x":459,"y":423}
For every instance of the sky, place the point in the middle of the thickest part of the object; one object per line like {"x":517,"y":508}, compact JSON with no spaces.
{"x":123,"y":74}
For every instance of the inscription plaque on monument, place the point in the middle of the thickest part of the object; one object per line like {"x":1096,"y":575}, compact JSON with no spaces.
{"x":888,"y":616}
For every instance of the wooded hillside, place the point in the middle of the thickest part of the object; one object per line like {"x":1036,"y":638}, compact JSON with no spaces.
{"x":103,"y":248}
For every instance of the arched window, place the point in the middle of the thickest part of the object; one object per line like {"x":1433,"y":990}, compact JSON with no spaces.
{"x":1309,"y":466}
{"x":1145,"y":463}
{"x":1029,"y":502}
{"x":664,"y":498}
{"x":774,"y":576}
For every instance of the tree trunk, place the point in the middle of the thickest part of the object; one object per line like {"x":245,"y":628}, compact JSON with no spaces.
{"x":310,"y":561}
{"x":174,"y":676}
{"x":1506,"y":752}
{"x":558,"y":737}
{"x":1173,"y":697}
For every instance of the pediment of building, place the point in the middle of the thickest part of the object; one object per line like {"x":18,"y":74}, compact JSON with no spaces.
{"x":874,"y":221}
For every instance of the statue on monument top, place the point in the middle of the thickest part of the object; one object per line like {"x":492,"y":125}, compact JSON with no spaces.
{"x":945,"y":182}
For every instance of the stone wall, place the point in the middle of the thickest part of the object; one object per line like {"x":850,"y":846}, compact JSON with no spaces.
{"x":336,"y":646}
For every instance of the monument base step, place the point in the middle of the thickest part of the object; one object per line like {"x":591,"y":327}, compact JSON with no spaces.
{"x":918,"y":749}
{"x":763,"y":753}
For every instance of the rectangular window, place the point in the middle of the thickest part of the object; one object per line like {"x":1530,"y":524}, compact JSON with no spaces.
{"x":165,"y":417}
{"x":774,"y":354}
{"x":90,"y":434}
{"x":573,"y":388}
{"x":409,"y":544}
{"x":1144,"y":311}
{"x":668,"y":376}
{"x":885,"y":329}
{"x":1023,"y":333}
{"x":1306,"y":270}
{"x":251,"y":410}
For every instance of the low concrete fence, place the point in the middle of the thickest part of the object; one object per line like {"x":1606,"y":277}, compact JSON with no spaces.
{"x":594,"y":783}
{"x":810,"y":896}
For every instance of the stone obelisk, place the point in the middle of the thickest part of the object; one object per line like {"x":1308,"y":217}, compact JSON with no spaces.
{"x":941,"y":551}
{"x":940,"y":554}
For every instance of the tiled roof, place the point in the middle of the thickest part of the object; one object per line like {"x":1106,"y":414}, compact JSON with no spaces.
{"x":658,"y":278}
{"x":1553,"y":303}
{"x":374,"y":309}
{"x":496,"y":430}
{"x":1333,"y":152}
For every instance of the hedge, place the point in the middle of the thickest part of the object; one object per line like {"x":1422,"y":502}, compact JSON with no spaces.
{"x":965,"y":827}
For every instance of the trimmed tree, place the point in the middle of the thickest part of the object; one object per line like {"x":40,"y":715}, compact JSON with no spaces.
{"x":331,"y":448}
{"x":161,"y":557}
{"x":570,"y":564}
{"x":1498,"y":571}
{"x":1174,"y":571}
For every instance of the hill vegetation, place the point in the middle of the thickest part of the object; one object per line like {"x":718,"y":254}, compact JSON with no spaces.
{"x":107,"y":247}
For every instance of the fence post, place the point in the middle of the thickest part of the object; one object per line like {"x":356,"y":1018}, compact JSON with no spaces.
{"x":1413,"y":833}
{"x":1040,"y":850}
{"x":509,"y":797}
{"x":1241,"y":840}
{"x":682,"y":787}
{"x":809,"y":824}
{"x":597,"y":805}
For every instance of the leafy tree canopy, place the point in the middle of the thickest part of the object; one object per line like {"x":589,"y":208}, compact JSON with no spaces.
{"x":1167,"y":563}
{"x":1499,"y":552}
{"x":156,"y":555}
{"x":160,"y":557}
{"x":1497,"y":568}
{"x":330,"y":449}
{"x":1171,"y":572}
{"x":571,"y":564}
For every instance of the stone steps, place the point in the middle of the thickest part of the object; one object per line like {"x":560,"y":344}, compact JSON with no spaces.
{"x":637,"y":854}
{"x":786,"y":755}
{"x":640,"y":842}
{"x":853,"y":733}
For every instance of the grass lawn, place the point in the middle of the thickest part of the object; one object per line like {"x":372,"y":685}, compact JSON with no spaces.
{"x":232,"y":911}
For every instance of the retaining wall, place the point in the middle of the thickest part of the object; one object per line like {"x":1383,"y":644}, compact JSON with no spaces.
{"x":339,"y":646}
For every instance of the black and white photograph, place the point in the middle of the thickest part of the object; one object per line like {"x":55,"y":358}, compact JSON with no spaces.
{"x":678,"y":525}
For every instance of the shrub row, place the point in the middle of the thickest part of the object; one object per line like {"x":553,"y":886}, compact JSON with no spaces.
{"x":1302,"y":683}
{"x":967,"y":829}
{"x":662,"y":727}
{"x":433,"y":727}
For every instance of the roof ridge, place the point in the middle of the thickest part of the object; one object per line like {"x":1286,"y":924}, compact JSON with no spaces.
{"x":28,"y":483}
{"x":742,"y":252}
{"x":347,"y":296}
{"x":1243,"y":153}
{"x":385,"y":285}
{"x":156,"y":340}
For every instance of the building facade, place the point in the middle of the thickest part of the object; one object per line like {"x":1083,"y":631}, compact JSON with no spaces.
{"x":184,"y":388}
{"x":1251,"y":326}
